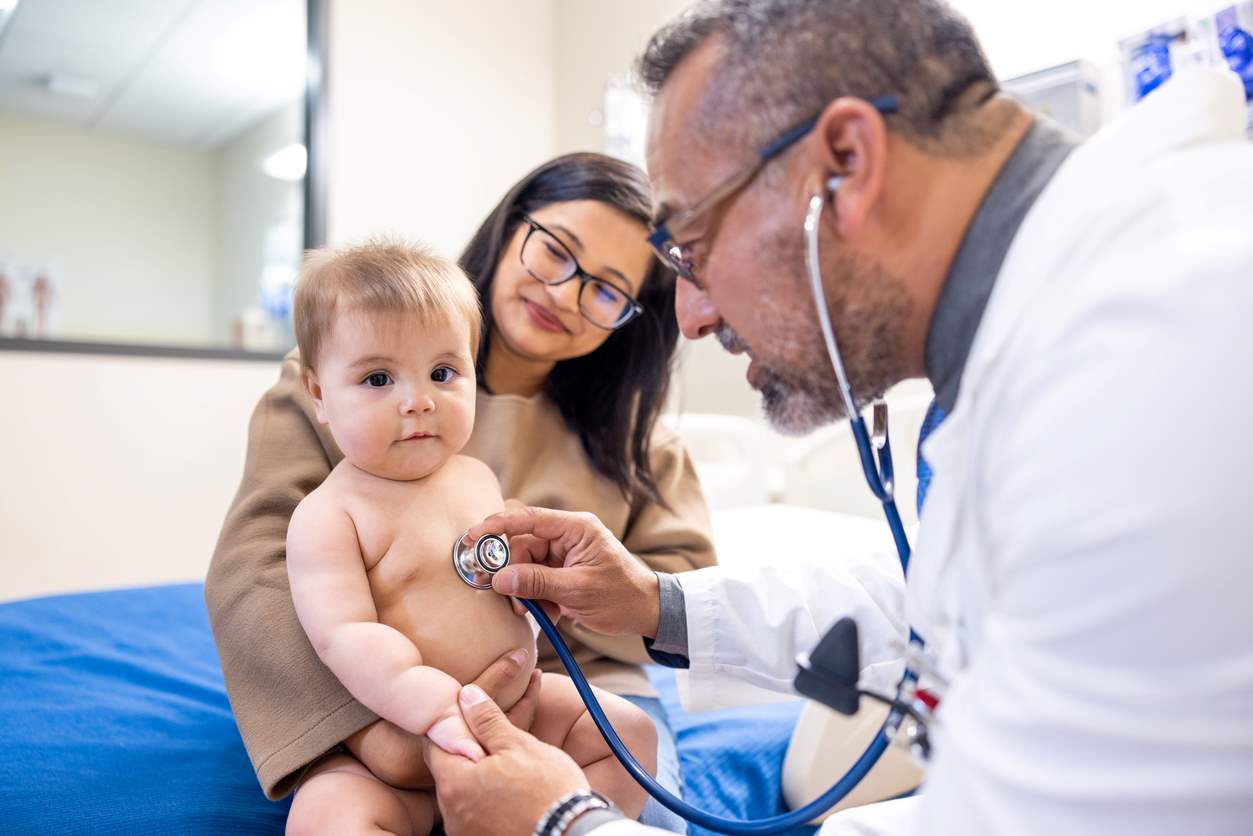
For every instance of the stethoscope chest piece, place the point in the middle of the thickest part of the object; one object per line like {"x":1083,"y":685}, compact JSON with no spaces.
{"x":477,"y":560}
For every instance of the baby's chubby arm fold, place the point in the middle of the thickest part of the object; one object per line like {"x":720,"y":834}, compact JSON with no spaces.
{"x":378,"y":664}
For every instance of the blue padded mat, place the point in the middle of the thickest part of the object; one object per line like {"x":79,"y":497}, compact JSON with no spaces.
{"x":114,"y":719}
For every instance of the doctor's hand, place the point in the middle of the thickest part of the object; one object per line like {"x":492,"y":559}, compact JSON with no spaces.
{"x":576,"y":568}
{"x":503,"y":674}
{"x":508,"y":791}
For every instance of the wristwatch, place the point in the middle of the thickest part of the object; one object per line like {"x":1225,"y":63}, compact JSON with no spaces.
{"x":563,"y":812}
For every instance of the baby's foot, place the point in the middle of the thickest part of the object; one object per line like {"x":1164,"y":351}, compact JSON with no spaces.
{"x":452,"y":735}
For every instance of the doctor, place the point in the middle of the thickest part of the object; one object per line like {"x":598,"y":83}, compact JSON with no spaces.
{"x":1085,"y":315}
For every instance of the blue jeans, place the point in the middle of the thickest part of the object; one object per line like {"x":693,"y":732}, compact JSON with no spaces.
{"x":667,"y":767}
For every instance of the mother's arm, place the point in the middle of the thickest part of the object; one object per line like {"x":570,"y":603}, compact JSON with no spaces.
{"x":289,"y":707}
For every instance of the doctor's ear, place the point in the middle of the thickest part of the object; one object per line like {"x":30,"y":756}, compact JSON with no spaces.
{"x":849,"y":145}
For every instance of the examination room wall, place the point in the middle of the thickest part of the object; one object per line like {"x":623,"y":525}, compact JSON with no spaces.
{"x":259,"y":218}
{"x":72,"y":198}
{"x":117,"y":470}
{"x":436,"y":108}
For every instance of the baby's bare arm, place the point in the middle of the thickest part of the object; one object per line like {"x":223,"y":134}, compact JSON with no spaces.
{"x":378,"y":665}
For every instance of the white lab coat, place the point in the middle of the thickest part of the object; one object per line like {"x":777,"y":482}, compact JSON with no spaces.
{"x":1083,"y":566}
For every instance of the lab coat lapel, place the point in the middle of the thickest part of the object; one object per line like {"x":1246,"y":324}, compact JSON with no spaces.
{"x":1180,"y":113}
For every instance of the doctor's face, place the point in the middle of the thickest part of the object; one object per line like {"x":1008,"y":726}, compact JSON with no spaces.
{"x":750,"y":287}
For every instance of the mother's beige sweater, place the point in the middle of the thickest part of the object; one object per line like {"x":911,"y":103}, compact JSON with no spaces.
{"x":290,"y":708}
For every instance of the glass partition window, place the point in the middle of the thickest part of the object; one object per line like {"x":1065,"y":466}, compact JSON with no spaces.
{"x":152,"y":166}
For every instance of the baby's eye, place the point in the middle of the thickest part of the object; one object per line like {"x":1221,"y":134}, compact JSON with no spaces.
{"x":443,"y":374}
{"x":377,"y":380}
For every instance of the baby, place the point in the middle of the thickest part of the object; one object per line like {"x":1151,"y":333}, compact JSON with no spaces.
{"x":388,"y":335}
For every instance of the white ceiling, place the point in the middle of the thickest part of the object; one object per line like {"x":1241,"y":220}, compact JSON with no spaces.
{"x":190,"y":72}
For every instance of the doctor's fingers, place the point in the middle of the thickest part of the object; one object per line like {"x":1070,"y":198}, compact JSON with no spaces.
{"x":527,"y":548}
{"x":509,"y":789}
{"x":535,"y":581}
{"x":564,"y":530}
{"x":487,"y":722}
{"x":522,"y":714}
{"x":600,"y":598}
{"x":503,"y":675}
{"x":442,"y":765}
{"x":489,"y":725}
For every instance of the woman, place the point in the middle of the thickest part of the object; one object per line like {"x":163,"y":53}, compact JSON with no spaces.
{"x":573,"y":368}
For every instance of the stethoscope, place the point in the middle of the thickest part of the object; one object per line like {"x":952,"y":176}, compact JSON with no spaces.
{"x":829,"y":672}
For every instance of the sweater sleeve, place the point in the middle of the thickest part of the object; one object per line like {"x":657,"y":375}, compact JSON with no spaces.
{"x":670,"y":538}
{"x":676,"y":538}
{"x":289,"y":707}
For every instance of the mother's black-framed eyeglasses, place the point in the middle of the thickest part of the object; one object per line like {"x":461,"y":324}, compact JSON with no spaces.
{"x":549,"y":261}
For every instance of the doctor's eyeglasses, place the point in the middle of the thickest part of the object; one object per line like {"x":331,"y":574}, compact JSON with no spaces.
{"x":601,"y":302}
{"x":676,"y":253}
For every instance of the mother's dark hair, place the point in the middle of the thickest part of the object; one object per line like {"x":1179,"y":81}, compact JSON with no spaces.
{"x":612,"y":396}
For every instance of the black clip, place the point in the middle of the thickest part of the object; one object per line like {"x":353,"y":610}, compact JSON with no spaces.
{"x":829,"y":673}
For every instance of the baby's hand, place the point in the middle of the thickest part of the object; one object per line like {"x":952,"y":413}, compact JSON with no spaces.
{"x":451,"y":734}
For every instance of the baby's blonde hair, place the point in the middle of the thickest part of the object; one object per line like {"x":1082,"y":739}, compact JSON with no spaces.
{"x":379,"y":276}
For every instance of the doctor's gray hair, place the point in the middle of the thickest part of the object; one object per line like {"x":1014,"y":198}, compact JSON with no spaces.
{"x":784,"y":60}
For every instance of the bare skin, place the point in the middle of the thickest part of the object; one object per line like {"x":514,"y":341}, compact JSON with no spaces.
{"x":369,"y":565}
{"x":606,"y":243}
{"x":899,"y":210}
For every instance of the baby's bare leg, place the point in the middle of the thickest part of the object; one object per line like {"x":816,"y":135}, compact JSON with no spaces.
{"x":563,"y":721}
{"x":340,"y":796}
{"x":392,"y":754}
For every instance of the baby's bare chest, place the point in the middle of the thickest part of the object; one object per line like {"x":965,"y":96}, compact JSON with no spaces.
{"x":407,"y":535}
{"x":406,"y":539}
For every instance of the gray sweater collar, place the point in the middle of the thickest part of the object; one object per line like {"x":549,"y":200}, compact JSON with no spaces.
{"x":960,"y":307}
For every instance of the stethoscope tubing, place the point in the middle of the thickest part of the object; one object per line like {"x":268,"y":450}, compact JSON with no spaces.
{"x":734,"y":827}
{"x":879,"y":478}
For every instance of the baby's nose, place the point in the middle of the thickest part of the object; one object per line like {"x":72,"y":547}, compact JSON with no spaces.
{"x":418,"y":400}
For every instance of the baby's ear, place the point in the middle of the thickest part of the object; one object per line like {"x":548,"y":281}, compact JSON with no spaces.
{"x":310,"y":380}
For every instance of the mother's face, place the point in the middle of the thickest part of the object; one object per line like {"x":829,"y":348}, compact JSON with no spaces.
{"x":543,"y":322}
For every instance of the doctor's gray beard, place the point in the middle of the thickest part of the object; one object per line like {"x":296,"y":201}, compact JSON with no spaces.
{"x":869,"y":309}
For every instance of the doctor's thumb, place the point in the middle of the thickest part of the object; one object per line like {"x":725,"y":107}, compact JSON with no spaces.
{"x":530,"y":580}
{"x":485,"y":719}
